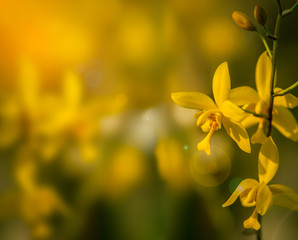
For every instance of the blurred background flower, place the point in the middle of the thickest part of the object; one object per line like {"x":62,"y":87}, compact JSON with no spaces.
{"x":91,"y":145}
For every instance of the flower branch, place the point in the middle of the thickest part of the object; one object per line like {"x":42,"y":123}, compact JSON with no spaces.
{"x":255,"y":114}
{"x":273,"y":75}
{"x":285,"y":91}
{"x":289,"y":11}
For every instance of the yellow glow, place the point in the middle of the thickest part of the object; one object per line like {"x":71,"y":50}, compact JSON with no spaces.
{"x":136,"y":36}
{"x":122,"y":99}
{"x":220,"y":38}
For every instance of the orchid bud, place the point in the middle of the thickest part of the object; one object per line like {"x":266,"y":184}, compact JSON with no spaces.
{"x":243,"y":21}
{"x":260,"y":15}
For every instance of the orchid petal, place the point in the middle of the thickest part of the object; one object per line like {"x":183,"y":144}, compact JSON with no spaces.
{"x":261,"y":107}
{"x":264,"y":199}
{"x":244,"y":95}
{"x":203,"y":117}
{"x":232,"y":111}
{"x":248,"y":198}
{"x":284,"y":196}
{"x":263,"y":76}
{"x":268,"y":160}
{"x":250,"y":119}
{"x":285,"y":123}
{"x":280,"y":189}
{"x":204,"y":145}
{"x":259,"y":136}
{"x":238,"y":133}
{"x":198,"y":114}
{"x":243,"y":186}
{"x":221,"y":83}
{"x":206,"y":127}
{"x":252,"y":221}
{"x":288,"y":100}
{"x":193,"y":100}
{"x":287,"y":200}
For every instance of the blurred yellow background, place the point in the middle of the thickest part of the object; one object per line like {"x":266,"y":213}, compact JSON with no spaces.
{"x":91,"y":145}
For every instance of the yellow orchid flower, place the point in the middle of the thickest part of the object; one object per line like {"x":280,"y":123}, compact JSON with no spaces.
{"x":258,"y":193}
{"x":212,"y":114}
{"x":258,"y":101}
{"x":49,"y":119}
{"x":36,"y":202}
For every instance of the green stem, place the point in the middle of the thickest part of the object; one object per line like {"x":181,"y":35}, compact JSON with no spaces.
{"x":264,"y":42}
{"x":266,"y":30}
{"x":268,"y":34}
{"x":255,"y":114}
{"x":273,"y":60}
{"x":290,"y":10}
{"x":279,"y":8}
{"x":285,"y":91}
{"x":259,"y":233}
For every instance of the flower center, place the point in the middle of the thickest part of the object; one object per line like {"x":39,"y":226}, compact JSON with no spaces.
{"x":214,"y":120}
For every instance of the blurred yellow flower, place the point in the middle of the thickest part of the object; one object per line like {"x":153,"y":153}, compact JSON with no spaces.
{"x":124,"y":172}
{"x":47,"y":119}
{"x":9,"y":118}
{"x":36,"y":202}
{"x":258,"y":101}
{"x":172,"y":164}
{"x":258,"y":193}
{"x":211,"y":114}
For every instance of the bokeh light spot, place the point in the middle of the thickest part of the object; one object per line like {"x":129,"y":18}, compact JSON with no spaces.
{"x":92,"y":78}
{"x":210,"y":170}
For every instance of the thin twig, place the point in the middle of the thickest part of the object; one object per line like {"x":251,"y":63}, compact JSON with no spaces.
{"x":285,"y":91}
{"x":264,"y":42}
{"x":255,"y":114}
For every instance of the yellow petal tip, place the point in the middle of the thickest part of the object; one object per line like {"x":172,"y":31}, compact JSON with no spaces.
{"x":204,"y":146}
{"x":252,"y":221}
{"x":225,"y":205}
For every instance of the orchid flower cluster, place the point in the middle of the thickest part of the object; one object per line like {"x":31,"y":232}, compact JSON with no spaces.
{"x":239,"y":108}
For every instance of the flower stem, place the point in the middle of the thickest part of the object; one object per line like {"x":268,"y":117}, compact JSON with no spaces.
{"x":273,"y":75}
{"x":264,"y":42}
{"x":290,"y":10}
{"x":268,"y":34}
{"x":255,"y":114}
{"x":285,"y":91}
{"x":259,"y":232}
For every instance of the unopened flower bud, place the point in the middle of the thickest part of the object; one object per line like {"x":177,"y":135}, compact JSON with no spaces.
{"x":243,"y":21}
{"x":260,"y":15}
